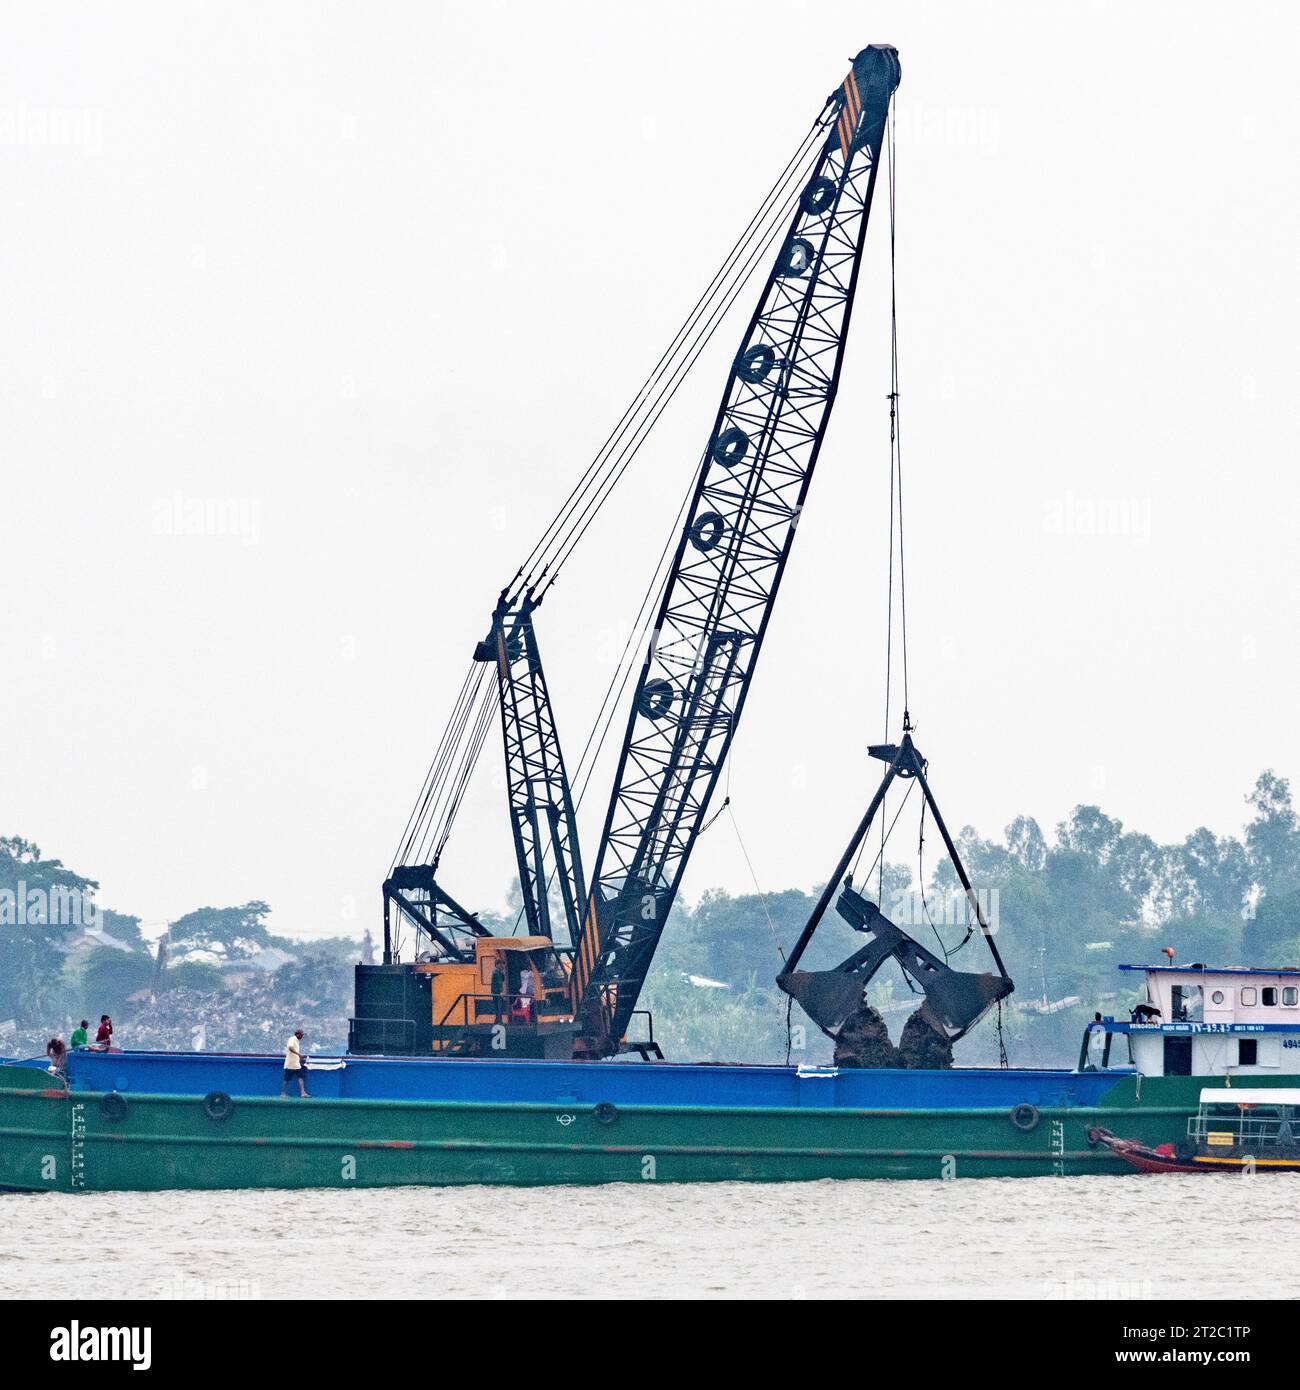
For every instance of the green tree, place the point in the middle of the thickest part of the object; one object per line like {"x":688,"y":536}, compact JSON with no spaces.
{"x":1089,"y":832}
{"x":35,"y":889}
{"x":35,"y":895}
{"x":736,"y":936}
{"x":344,"y":949}
{"x":1270,"y":936}
{"x":192,"y":974}
{"x":109,"y":977}
{"x":318,"y":979}
{"x":123,"y":928}
{"x":1026,"y":843}
{"x":1273,"y":836}
{"x":1213,"y":938}
{"x":1202,"y":875}
{"x":234,"y":933}
{"x":31,"y":971}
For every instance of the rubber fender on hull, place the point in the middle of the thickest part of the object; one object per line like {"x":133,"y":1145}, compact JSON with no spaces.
{"x":217,"y":1105}
{"x":1025,"y":1117}
{"x":113,"y":1106}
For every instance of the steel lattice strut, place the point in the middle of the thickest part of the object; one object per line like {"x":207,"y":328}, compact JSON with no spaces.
{"x":541,"y":807}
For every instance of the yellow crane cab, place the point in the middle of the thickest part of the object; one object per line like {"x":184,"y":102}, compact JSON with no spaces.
{"x":512,"y":998}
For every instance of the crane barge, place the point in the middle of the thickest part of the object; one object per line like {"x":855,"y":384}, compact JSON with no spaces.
{"x":577,"y":995}
{"x":472,"y":1061}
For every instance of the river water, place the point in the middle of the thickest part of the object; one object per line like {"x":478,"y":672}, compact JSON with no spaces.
{"x":1058,"y":1238}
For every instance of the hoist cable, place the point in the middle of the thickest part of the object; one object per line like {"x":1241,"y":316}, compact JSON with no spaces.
{"x":465,"y":772}
{"x":884,"y":840}
{"x":895,"y":474}
{"x":618,"y":684}
{"x":577,"y":526}
{"x":433,"y":779}
{"x":747,"y":261}
{"x":469,"y":717}
{"x":426,"y":785}
{"x":454,"y":759}
{"x":443,"y":788}
{"x":619,"y":681}
{"x":777,"y":193}
{"x":896,"y":424}
{"x":762,"y":897}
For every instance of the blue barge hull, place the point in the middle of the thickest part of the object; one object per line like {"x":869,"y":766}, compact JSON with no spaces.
{"x":512,"y":1082}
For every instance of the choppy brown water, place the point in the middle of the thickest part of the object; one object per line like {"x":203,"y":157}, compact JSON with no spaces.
{"x":1072,"y":1238}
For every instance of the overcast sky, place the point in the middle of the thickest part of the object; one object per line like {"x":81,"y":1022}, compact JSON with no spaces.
{"x":374,"y":281}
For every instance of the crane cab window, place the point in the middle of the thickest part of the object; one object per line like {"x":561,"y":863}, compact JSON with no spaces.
{"x":547,"y":965}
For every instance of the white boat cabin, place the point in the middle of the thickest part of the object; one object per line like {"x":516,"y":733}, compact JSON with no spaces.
{"x":1236,"y":1118}
{"x":1198,"y":1021}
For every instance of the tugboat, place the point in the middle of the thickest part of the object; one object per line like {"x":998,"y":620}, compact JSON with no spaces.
{"x":1201,"y":1021}
{"x":1233,"y":1131}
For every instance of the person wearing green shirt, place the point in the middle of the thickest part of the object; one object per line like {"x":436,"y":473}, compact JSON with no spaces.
{"x":79,"y":1035}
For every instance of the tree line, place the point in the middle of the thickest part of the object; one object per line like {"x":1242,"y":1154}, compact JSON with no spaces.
{"x":1070,"y":906}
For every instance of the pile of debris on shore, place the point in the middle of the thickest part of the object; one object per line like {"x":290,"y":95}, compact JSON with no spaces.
{"x":255,"y":1016}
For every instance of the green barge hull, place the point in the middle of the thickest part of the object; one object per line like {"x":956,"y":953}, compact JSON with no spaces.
{"x":54,"y":1140}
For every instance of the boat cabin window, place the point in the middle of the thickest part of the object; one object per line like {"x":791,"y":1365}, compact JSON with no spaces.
{"x":1290,"y":996}
{"x":1268,"y":997}
{"x":1218,"y":998}
{"x":1247,"y":1052}
{"x":1248,"y":996}
{"x":1187,"y":1004}
{"x":1094,"y":1052}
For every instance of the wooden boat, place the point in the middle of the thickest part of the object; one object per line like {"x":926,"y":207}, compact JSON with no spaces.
{"x":1242,"y":1130}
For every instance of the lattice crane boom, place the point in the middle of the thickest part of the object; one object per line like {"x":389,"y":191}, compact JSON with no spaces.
{"x":720,"y":590}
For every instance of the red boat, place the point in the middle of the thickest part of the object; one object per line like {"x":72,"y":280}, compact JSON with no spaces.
{"x":1234,"y":1131}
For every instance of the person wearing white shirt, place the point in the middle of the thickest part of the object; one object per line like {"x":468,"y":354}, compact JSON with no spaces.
{"x":293,"y":1067}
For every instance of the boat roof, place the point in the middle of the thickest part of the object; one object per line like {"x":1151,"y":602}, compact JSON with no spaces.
{"x":1246,"y":1095}
{"x":1217,"y":969}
